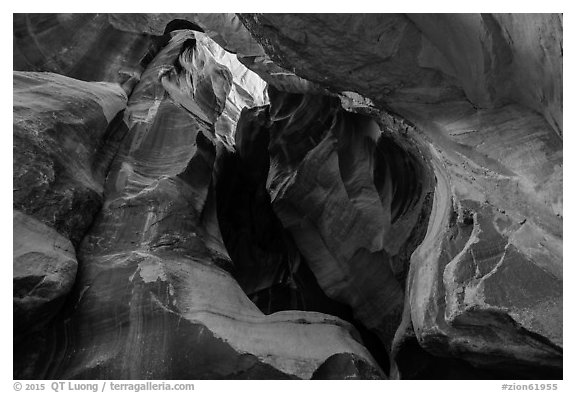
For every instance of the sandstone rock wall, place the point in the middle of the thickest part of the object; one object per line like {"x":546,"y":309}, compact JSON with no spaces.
{"x":63,"y":145}
{"x":486,"y":283}
{"x":154,"y":296}
{"x":390,"y":202}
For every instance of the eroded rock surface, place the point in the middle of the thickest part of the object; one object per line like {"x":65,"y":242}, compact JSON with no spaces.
{"x":155,"y":297}
{"x":464,"y":85}
{"x":392,"y":202}
{"x":82,"y":46}
{"x":44,"y":270}
{"x":422,"y":58}
{"x":64,"y":139}
{"x":333,"y":182}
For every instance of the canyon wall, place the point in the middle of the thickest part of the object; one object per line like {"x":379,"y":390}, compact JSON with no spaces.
{"x":207,"y":196}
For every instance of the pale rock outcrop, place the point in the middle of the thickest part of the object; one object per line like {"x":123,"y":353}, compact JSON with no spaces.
{"x":229,"y":33}
{"x":345,"y":366}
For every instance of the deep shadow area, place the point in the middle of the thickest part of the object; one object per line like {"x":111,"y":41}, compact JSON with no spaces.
{"x":267,"y":263}
{"x":416,"y":363}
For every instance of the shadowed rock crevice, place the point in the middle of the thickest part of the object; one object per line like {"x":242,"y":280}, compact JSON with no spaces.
{"x":267,"y":263}
{"x":263,"y":253}
{"x":349,"y":203}
{"x":384,"y":182}
{"x":482,"y":94}
{"x":181,"y":24}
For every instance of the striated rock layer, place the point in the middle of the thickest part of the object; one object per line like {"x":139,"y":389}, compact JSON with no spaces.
{"x":390,"y":204}
{"x":81,"y":46}
{"x":485,"y":285}
{"x":154,"y":294}
{"x":333,"y":182}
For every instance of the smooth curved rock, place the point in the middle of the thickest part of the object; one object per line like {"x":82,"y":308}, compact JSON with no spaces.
{"x":61,"y":153}
{"x":64,"y":139}
{"x":392,"y":58}
{"x":345,"y":366}
{"x":350,"y":202}
{"x":43,"y":272}
{"x":247,"y":89}
{"x":465,"y":85}
{"x":406,"y":177}
{"x":500,"y":58}
{"x":154,"y":298}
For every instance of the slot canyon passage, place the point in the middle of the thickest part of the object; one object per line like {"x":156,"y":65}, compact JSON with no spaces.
{"x":287,"y":196}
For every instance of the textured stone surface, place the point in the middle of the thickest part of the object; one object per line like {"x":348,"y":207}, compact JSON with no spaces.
{"x":81,"y":46}
{"x":44,"y":269}
{"x":64,"y":139}
{"x":334,"y":184}
{"x":396,"y":207}
{"x":62,"y":148}
{"x":466,"y":85}
{"x":155,"y":297}
{"x":499,"y":58}
{"x":424,"y":58}
{"x":229,"y":33}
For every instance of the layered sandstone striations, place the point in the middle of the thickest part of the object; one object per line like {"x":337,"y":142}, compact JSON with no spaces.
{"x":334,"y":183}
{"x":81,"y":46}
{"x":391,"y":202}
{"x":485,"y":285}
{"x":155,"y":297}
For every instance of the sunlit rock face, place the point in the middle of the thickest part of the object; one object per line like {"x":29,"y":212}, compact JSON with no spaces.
{"x":247,"y":89}
{"x":228,"y":31}
{"x":288,"y":196}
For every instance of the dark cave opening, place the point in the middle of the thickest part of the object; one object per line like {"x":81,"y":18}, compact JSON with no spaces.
{"x":417,"y":364}
{"x":181,"y":24}
{"x":262,"y":251}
